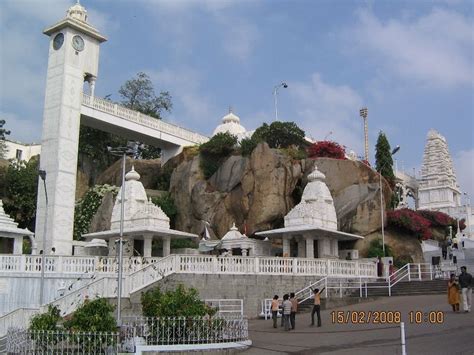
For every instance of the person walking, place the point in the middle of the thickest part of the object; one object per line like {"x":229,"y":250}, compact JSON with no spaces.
{"x":379,"y":267}
{"x":453,"y":293}
{"x":286,"y":311}
{"x":465,"y":281}
{"x":275,"y":308}
{"x":317,"y":306}
{"x":444,"y":249}
{"x":294,"y":309}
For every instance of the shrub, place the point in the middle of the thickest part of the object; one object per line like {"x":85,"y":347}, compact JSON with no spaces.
{"x":294,"y":153}
{"x":280,"y":135}
{"x":46,"y":321}
{"x":164,"y":178}
{"x":166,"y":203}
{"x":181,"y":302}
{"x":375,"y":249}
{"x":410,"y":221}
{"x":93,"y":316}
{"x":87,"y":207}
{"x":438,"y":219}
{"x":247,"y":145}
{"x":402,"y":260}
{"x":326,"y":149}
{"x":214,"y":152}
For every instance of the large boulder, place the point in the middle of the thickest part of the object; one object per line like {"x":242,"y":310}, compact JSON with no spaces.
{"x":355,"y":188}
{"x":102,"y":218}
{"x":254,"y":191}
{"x":148,"y":169}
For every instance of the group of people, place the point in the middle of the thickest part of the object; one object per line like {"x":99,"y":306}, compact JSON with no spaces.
{"x":462,"y":284}
{"x":289,"y":307}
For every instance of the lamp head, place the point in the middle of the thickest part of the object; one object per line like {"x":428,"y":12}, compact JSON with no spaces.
{"x":395,"y":150}
{"x":285,"y":85}
{"x":42,"y":174}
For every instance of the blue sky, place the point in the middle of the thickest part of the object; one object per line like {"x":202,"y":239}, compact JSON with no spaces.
{"x":410,"y":62}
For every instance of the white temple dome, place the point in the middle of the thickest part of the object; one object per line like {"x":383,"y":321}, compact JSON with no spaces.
{"x":78,"y":12}
{"x":230,"y":124}
{"x":233,"y":234}
{"x":132,"y":175}
{"x":316,"y":206}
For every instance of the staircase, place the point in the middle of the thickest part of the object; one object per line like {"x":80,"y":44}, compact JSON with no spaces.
{"x":407,"y":288}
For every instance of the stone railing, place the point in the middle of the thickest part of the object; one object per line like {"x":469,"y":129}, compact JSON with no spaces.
{"x":145,"y":270}
{"x":71,"y":264}
{"x":144,"y":120}
{"x":273,"y":266}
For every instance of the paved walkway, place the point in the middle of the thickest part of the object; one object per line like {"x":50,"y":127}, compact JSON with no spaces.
{"x":454,"y":335}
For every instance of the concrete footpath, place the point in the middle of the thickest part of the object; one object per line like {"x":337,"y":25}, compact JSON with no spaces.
{"x":449,"y":333}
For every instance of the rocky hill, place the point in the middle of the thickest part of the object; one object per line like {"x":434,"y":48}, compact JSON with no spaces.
{"x":260,"y":190}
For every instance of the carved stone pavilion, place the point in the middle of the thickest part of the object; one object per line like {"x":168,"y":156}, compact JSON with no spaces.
{"x":9,"y":229}
{"x":438,"y":189}
{"x":142,"y":223}
{"x":311,"y":226}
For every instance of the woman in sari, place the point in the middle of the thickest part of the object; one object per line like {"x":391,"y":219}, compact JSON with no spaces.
{"x":453,"y":293}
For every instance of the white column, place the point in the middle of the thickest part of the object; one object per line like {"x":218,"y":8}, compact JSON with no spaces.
{"x":166,"y":246}
{"x":301,"y":249}
{"x":286,"y":246}
{"x":309,"y":247}
{"x":147,"y":245}
{"x":324,"y":247}
{"x":92,"y":80}
{"x":334,"y":248}
{"x":18,"y":245}
{"x":112,"y":250}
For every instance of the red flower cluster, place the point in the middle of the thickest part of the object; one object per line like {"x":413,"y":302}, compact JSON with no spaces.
{"x":438,"y":219}
{"x":326,"y":149}
{"x":411,"y":221}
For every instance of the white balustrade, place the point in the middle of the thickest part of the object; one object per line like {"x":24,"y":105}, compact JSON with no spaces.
{"x":71,"y":264}
{"x":135,"y":116}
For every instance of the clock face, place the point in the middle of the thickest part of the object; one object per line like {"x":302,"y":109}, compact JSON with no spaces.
{"x":58,"y":41}
{"x":77,"y":43}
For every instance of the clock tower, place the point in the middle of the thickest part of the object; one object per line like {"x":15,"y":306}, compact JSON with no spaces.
{"x":73,"y":59}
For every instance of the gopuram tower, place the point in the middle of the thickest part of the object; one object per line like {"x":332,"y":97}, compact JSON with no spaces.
{"x":438,"y":190}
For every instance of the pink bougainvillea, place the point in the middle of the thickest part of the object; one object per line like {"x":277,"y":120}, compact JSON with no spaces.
{"x":411,"y":221}
{"x":326,"y":149}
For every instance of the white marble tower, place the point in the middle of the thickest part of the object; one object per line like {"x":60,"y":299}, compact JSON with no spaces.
{"x":438,"y":186}
{"x":73,"y":59}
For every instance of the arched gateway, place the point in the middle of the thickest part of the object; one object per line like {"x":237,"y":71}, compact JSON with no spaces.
{"x":74,"y":59}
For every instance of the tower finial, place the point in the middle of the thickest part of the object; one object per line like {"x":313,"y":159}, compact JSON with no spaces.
{"x":230,"y":109}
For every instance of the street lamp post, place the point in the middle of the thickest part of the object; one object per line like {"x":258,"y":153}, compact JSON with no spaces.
{"x":275,"y":95}
{"x":132,"y":150}
{"x":394,"y":151}
{"x":42,"y":174}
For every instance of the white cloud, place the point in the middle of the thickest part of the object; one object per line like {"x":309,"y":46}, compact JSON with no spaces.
{"x":323,"y":108}
{"x":238,"y":38}
{"x":464,"y":168}
{"x":190,"y":101}
{"x":432,"y":50}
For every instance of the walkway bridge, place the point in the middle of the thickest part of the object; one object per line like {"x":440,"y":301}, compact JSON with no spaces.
{"x":110,"y":117}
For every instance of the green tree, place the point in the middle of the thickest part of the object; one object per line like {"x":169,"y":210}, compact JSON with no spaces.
{"x":383,"y":158}
{"x":3,"y":133}
{"x":280,"y":135}
{"x":180,"y":302}
{"x":21,"y":180}
{"x":138,"y":94}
